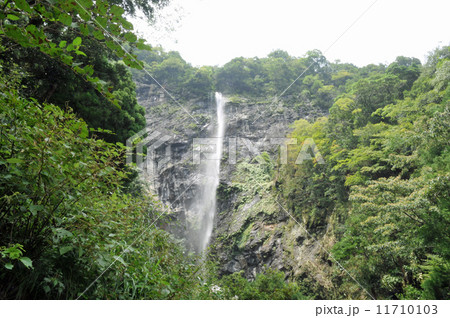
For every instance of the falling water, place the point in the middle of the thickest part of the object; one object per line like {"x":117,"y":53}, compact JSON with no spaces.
{"x":205,"y":202}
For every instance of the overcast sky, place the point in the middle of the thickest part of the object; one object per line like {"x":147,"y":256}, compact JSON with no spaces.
{"x":212,"y":32}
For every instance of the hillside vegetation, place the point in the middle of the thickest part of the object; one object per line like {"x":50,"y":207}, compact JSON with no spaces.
{"x":76,"y":221}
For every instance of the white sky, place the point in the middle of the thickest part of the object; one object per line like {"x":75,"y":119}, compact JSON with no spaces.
{"x":212,"y":32}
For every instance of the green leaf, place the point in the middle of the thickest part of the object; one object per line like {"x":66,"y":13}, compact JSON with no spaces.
{"x":130,"y":37}
{"x":120,"y":259}
{"x":84,"y":29}
{"x":89,"y":70}
{"x":102,"y":6}
{"x":9,"y":266}
{"x":62,"y":44}
{"x":114,"y":29}
{"x":77,"y":41}
{"x":13,"y":32}
{"x":78,"y":52}
{"x":64,"y":249}
{"x":14,"y":160}
{"x":102,"y":21}
{"x":13,"y":252}
{"x":84,"y":15}
{"x":87,"y":4}
{"x":116,"y":10}
{"x":80,"y":252}
{"x":78,"y":69}
{"x":98,"y":35}
{"x":84,"y":132}
{"x":23,"y":5}
{"x":26,"y":261}
{"x":142,"y":46}
{"x":31,"y":28}
{"x":65,"y":19}
{"x":62,"y":233}
{"x":35,"y":208}
{"x":12,"y":17}
{"x":125,"y":24}
{"x":67,"y":59}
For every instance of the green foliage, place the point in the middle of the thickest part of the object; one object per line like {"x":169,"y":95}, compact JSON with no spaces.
{"x":435,"y":284}
{"x":47,"y":27}
{"x":270,"y":76}
{"x":12,"y":253}
{"x":245,"y":236}
{"x":248,"y":77}
{"x":309,"y":192}
{"x":405,"y":68}
{"x":168,"y":69}
{"x":68,"y":230}
{"x":269,"y":285}
{"x":385,"y":177}
{"x":64,"y":219}
{"x":68,"y":51}
{"x":67,"y":221}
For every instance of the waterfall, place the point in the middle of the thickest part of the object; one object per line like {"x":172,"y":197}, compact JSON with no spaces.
{"x":204,"y":207}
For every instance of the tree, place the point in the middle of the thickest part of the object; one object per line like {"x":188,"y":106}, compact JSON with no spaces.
{"x":85,"y":39}
{"x":41,"y":25}
{"x":235,"y":77}
{"x":200,"y":82}
{"x":406,"y":68}
{"x":65,"y":220}
{"x":396,"y":236}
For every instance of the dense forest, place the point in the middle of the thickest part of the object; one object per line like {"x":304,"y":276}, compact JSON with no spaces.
{"x":77,"y":222}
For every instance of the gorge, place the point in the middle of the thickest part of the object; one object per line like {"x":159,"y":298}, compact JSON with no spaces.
{"x":286,"y":217}
{"x":250,"y":231}
{"x":233,"y":200}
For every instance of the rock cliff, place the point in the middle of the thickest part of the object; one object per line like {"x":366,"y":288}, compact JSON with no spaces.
{"x":252,"y":228}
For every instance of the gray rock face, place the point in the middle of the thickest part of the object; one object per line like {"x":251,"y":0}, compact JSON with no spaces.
{"x":251,"y":228}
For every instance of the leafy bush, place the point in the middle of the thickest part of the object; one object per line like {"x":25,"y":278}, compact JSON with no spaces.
{"x":268,"y":285}
{"x":65,"y":221}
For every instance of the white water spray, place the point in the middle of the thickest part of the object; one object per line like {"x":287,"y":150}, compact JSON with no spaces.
{"x":205,"y":202}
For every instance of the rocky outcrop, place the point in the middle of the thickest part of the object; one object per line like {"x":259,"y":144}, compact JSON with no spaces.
{"x":252,"y":229}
